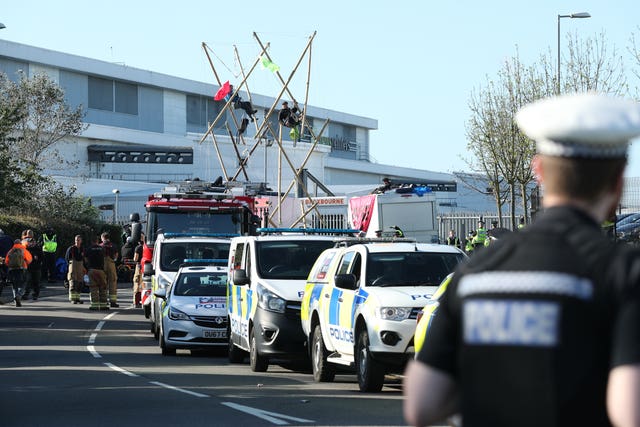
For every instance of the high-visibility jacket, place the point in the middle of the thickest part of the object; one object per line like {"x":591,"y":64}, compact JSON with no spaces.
{"x":50,"y":243}
{"x":481,"y":236}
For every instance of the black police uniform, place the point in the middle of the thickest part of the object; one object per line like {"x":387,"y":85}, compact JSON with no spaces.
{"x":531,"y":327}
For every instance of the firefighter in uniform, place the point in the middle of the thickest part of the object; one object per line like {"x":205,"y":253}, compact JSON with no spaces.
{"x":76,"y":272}
{"x":110,"y":257}
{"x":543,"y":327}
{"x":94,"y":262}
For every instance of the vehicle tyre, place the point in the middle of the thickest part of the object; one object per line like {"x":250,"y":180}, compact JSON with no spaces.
{"x":258,"y":363}
{"x":147,"y":311}
{"x":323,"y":371}
{"x":166,"y":351}
{"x":370,"y":373}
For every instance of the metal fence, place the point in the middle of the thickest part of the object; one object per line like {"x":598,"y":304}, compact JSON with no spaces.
{"x":462,"y":224}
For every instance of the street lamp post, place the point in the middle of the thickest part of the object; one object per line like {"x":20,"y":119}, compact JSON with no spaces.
{"x":115,"y":207}
{"x":572,"y":16}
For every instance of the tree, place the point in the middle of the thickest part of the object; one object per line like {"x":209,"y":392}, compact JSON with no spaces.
{"x":45,"y":119}
{"x":33,"y":117}
{"x":501,"y":151}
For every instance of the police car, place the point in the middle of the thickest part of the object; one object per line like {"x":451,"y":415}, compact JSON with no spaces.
{"x":194,"y":313}
{"x":361,"y":302}
{"x":173,"y":250}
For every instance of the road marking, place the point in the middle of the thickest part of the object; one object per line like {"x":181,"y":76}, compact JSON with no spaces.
{"x":272,"y":417}
{"x":121,"y":370}
{"x":93,"y":352}
{"x":171,"y":387}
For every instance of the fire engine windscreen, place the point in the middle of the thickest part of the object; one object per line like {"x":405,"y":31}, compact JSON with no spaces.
{"x":192,"y":222}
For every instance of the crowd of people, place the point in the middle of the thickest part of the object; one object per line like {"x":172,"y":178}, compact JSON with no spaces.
{"x":29,"y":260}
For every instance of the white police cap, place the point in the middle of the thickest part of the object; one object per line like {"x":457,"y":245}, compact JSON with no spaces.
{"x":587,"y":125}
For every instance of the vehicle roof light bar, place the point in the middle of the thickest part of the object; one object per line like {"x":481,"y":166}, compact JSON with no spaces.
{"x":205,"y":261}
{"x":268,"y":230}
{"x":176,"y":235}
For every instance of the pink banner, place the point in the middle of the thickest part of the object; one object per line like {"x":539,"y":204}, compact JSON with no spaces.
{"x":361,"y":209}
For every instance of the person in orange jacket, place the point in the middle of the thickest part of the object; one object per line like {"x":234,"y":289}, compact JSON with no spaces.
{"x":17,"y":260}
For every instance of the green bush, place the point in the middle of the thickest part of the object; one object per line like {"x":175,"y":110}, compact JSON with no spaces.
{"x":65,"y":230}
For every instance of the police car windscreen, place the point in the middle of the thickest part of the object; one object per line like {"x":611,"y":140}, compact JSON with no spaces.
{"x":288,"y":260}
{"x":201,"y":284}
{"x":409,"y":268}
{"x":192,"y":222}
{"x":174,"y":254}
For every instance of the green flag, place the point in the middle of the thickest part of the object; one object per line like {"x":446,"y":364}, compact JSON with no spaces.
{"x":269,"y":65}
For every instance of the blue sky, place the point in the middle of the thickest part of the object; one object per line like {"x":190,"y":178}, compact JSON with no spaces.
{"x":411,"y":65}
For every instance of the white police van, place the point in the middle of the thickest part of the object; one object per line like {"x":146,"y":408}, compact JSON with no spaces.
{"x":266,"y":283}
{"x":361,"y":302}
{"x":172,"y":250}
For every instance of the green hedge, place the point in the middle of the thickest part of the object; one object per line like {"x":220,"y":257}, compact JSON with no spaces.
{"x":64,"y":230}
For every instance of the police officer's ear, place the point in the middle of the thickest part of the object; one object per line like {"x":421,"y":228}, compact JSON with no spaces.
{"x":536,"y":167}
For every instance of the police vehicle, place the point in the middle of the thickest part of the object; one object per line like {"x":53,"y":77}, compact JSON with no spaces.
{"x":425,"y":316}
{"x":194,"y":314}
{"x":170,"y":252}
{"x":267,"y":278}
{"x":361,"y":302}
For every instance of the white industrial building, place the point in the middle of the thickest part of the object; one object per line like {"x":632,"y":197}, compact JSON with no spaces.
{"x":145,"y":130}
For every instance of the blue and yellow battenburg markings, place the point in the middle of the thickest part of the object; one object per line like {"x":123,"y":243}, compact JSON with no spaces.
{"x":430,"y":310}
{"x":339,"y":314}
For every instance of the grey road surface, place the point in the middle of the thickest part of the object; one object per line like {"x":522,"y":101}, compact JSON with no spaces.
{"x":64,"y":365}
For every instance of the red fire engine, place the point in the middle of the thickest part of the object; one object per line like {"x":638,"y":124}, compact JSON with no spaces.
{"x":195,"y":207}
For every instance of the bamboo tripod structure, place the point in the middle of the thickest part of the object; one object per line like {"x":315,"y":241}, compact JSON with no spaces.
{"x":265,"y":129}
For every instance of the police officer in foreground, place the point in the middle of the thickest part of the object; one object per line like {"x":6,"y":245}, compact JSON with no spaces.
{"x":542,"y":328}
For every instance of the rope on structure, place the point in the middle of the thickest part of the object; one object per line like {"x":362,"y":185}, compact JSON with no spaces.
{"x":236,"y":75}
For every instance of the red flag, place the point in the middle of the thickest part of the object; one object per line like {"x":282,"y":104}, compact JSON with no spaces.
{"x":224,"y":90}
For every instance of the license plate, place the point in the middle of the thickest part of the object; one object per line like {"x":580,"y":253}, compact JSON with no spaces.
{"x":214,"y":334}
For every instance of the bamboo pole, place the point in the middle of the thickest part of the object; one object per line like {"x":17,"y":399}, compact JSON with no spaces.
{"x":281,"y":197}
{"x":304,"y":214}
{"x":215,"y":73}
{"x":241,"y":160}
{"x":220,"y":159}
{"x":285,"y":87}
{"x":306,"y":99}
{"x":235,"y":92}
{"x":235,"y":50}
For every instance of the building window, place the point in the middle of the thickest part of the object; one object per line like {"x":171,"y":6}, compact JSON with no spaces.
{"x":110,"y":95}
{"x":126,"y":98}
{"x":201,"y":111}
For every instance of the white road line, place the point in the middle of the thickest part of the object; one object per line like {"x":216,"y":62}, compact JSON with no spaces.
{"x":119,"y":369}
{"x":170,"y":387}
{"x":93,"y":352}
{"x":272,"y":417}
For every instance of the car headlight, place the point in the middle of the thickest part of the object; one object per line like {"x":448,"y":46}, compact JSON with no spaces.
{"x":267,"y":300}
{"x":175,"y":314}
{"x":163,"y":282}
{"x":394,"y":313}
